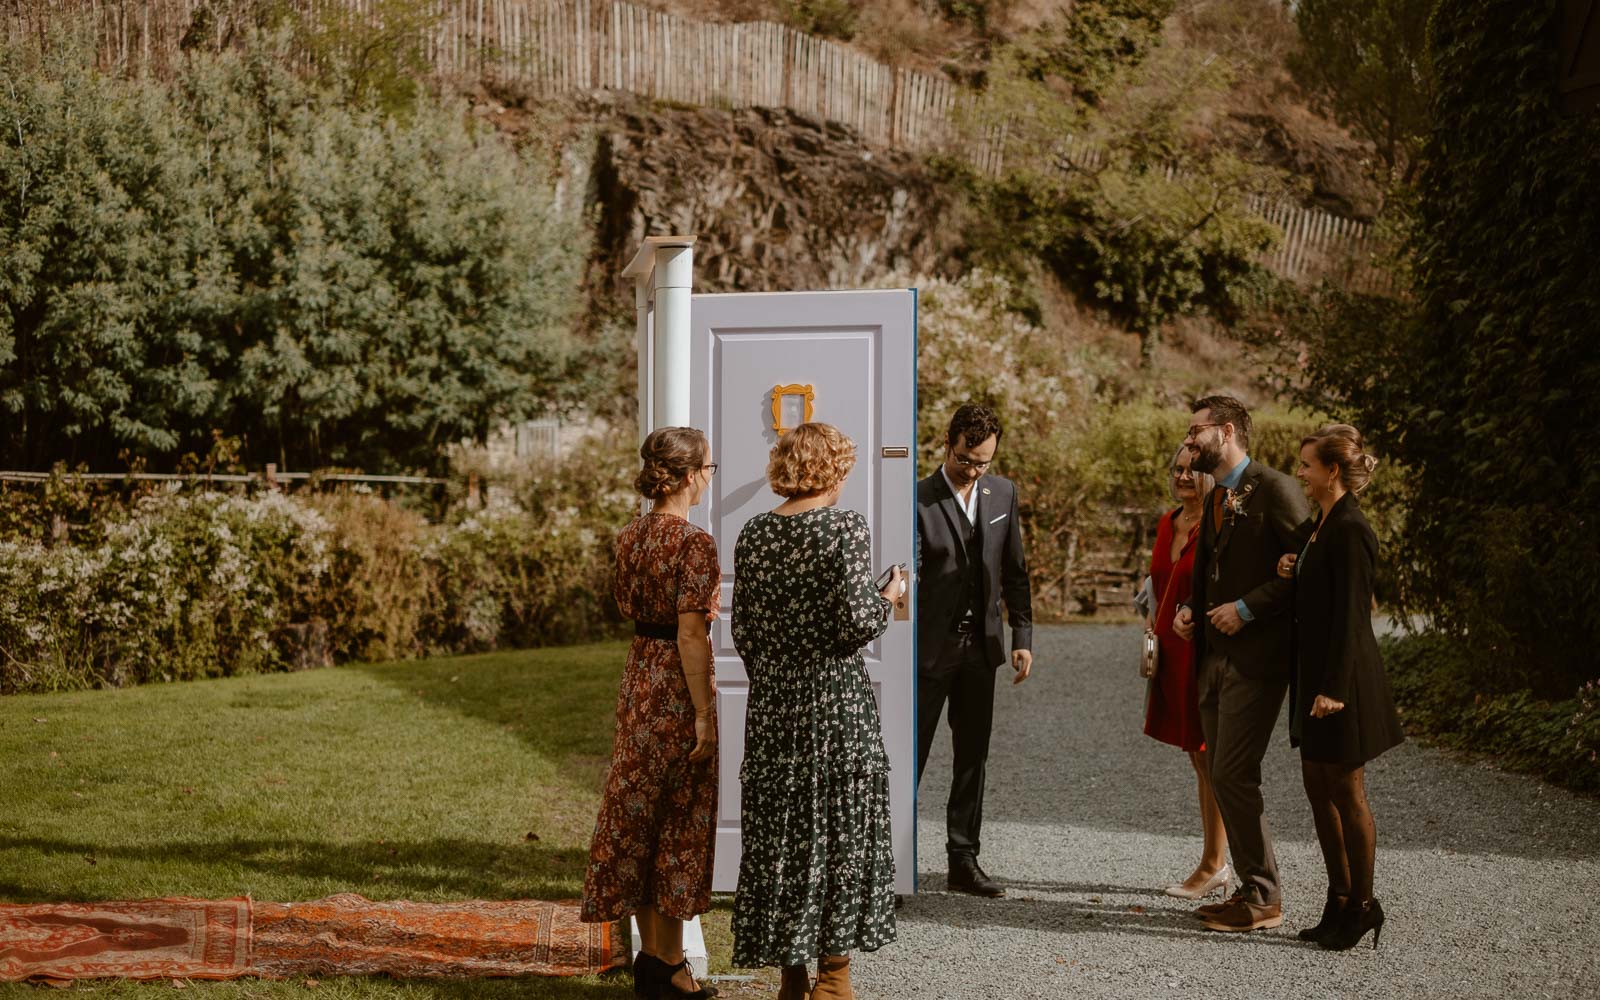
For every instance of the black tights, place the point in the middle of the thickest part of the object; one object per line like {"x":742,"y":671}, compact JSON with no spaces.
{"x":1345,"y":828}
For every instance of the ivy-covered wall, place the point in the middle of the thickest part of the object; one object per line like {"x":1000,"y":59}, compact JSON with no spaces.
{"x":1505,"y":381}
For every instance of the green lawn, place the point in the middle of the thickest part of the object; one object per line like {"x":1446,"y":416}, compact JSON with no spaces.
{"x":462,"y":778}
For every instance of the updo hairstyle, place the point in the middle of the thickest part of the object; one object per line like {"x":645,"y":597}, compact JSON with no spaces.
{"x":1341,"y":445}
{"x":813,"y":458}
{"x":671,"y":455}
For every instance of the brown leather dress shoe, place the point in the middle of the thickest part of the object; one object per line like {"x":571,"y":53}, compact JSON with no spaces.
{"x":1207,"y":910}
{"x":1245,"y":915}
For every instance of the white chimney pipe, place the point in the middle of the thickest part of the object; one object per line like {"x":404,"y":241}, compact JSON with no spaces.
{"x":663,"y":275}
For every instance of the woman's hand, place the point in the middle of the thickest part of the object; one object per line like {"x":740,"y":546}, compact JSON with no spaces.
{"x":1286,"y":565}
{"x":1324,"y":707}
{"x":1183,"y":624}
{"x":705,"y":736}
{"x":895,"y":588}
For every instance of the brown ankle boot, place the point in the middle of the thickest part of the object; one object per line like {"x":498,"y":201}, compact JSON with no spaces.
{"x":796,"y":983}
{"x":833,"y":979}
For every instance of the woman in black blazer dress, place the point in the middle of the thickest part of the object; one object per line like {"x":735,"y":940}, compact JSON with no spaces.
{"x":1342,"y":713}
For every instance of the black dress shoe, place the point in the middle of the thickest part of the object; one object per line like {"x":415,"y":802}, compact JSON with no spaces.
{"x":967,"y":877}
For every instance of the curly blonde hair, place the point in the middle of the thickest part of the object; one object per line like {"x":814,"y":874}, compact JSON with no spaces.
{"x":813,"y":458}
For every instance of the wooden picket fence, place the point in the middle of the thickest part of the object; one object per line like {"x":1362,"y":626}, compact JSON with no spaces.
{"x":555,"y":47}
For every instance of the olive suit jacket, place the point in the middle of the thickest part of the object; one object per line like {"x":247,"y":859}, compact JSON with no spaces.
{"x":1236,"y":558}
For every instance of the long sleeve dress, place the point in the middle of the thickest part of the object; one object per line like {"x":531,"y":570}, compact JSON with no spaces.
{"x":654,"y":837}
{"x":816,"y":876}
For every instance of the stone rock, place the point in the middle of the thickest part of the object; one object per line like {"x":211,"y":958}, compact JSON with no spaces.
{"x":778,"y":201}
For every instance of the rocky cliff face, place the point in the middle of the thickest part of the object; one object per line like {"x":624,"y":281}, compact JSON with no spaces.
{"x":778,"y":201}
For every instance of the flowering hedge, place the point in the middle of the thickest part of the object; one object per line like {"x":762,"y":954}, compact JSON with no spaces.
{"x":180,"y":585}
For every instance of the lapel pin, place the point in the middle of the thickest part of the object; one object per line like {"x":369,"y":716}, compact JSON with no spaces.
{"x":986,"y":491}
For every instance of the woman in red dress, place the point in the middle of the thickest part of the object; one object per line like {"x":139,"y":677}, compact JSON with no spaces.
{"x":652,"y":848}
{"x":1173,"y":713}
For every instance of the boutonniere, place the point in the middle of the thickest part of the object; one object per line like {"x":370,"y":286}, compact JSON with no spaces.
{"x":1235,"y":503}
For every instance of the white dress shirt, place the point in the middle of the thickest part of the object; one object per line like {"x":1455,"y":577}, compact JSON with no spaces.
{"x":969,"y":506}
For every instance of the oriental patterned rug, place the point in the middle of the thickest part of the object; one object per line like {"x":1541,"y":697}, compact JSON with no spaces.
{"x":150,"y":939}
{"x":343,"y":935}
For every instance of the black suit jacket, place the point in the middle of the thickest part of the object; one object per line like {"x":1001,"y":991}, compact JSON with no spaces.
{"x":1238,"y":560}
{"x":943,"y":565}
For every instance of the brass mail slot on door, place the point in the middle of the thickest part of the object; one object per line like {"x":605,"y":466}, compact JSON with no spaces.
{"x":897,"y":453}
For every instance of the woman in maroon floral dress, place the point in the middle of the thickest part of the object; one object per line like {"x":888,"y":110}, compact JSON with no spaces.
{"x":652,"y":847}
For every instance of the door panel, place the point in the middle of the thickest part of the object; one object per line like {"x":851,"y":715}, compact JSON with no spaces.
{"x":857,"y":351}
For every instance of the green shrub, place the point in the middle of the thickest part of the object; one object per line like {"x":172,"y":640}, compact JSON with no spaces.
{"x":176,"y":586}
{"x":1446,"y":694}
{"x":238,"y":250}
{"x":375,"y":594}
{"x":505,"y":576}
{"x":180,"y":587}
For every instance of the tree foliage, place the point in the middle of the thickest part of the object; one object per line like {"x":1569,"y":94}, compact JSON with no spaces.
{"x":1120,"y":196}
{"x":241,"y":252}
{"x":1508,"y":212}
{"x":370,"y":54}
{"x":1086,"y":45}
{"x":1485,"y":382}
{"x":1366,"y":62}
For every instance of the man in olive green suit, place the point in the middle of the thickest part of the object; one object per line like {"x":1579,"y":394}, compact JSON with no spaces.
{"x":1243,"y":651}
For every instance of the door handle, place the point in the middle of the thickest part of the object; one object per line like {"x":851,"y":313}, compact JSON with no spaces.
{"x":902,"y":607}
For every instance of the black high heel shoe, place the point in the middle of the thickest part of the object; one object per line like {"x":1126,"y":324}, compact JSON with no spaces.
{"x":666,"y":989}
{"x":1354,"y":922}
{"x":1330,"y":918}
{"x":646,"y":977}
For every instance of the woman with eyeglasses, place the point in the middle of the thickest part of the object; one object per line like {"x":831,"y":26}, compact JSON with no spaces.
{"x":1172,"y":714}
{"x":652,"y":848}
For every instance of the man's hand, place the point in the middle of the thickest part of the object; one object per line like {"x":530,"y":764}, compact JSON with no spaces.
{"x":1183,"y":624}
{"x":1324,"y":707}
{"x":1022,"y":663}
{"x":1226,"y":618}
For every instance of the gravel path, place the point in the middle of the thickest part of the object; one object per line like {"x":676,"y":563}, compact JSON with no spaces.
{"x":1491,"y":881}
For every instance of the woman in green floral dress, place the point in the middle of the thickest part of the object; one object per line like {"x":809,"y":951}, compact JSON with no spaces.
{"x":816,"y":877}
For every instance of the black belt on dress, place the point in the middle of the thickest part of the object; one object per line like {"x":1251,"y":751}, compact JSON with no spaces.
{"x":656,"y":630}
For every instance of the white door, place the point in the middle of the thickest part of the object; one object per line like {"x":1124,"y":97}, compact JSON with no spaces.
{"x":856,"y":354}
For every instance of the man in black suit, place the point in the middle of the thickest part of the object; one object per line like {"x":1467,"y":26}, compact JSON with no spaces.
{"x":1243,"y":650}
{"x":969,"y":559}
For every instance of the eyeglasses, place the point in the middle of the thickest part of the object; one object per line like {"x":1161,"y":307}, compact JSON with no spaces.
{"x":1195,"y":429}
{"x":967,"y":463}
{"x":712,"y":466}
{"x":1182,"y":473}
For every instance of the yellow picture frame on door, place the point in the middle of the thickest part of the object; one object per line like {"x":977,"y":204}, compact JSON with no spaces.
{"x":807,"y":392}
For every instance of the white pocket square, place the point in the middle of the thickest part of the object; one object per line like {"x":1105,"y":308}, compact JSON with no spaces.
{"x":1002,"y":517}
